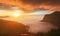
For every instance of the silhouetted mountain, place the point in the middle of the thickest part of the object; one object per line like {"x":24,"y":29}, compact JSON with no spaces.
{"x":53,"y":18}
{"x":11,"y":28}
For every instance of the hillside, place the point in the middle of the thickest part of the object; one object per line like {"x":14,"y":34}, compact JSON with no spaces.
{"x":11,"y":28}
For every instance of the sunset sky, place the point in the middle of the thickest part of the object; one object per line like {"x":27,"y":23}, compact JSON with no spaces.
{"x":31,"y":5}
{"x":29,"y":12}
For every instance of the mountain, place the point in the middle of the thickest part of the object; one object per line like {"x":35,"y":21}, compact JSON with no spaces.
{"x":53,"y":18}
{"x":12,"y":28}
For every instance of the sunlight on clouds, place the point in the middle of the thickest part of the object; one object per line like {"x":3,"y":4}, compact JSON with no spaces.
{"x":42,"y":12}
{"x":4,"y":12}
{"x":14,"y":13}
{"x":17,"y":12}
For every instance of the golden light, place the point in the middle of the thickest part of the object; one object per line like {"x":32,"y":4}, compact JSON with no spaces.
{"x":16,"y":14}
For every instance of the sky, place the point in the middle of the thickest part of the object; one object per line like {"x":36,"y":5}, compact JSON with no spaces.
{"x":32,"y":5}
{"x":33,"y":11}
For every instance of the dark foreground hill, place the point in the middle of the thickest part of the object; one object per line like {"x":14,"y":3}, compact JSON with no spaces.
{"x":11,"y":28}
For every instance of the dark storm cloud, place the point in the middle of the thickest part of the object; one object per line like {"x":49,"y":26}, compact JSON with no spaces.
{"x":34,"y":2}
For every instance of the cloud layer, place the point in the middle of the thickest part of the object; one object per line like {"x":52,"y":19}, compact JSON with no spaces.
{"x":45,"y":4}
{"x":38,"y":2}
{"x":32,"y":5}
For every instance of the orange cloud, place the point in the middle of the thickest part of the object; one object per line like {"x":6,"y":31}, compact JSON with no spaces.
{"x":29,"y":5}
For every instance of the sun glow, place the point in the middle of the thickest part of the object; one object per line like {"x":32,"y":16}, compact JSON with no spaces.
{"x":16,"y":14}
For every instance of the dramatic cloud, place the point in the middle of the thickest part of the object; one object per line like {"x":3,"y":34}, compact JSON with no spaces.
{"x":45,"y":4}
{"x":39,"y":2}
{"x":32,"y":5}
